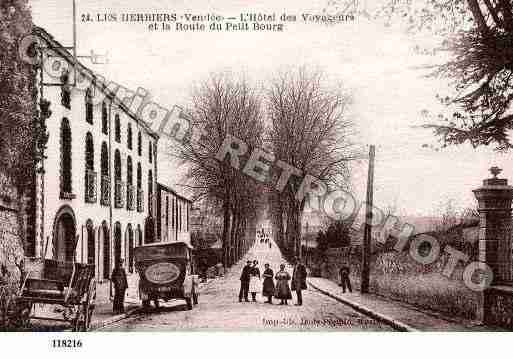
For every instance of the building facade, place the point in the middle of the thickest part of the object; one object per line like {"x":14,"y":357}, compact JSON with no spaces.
{"x":173,"y":215}
{"x":96,"y":197}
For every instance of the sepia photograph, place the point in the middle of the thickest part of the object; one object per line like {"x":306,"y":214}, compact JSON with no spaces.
{"x":321,"y":166}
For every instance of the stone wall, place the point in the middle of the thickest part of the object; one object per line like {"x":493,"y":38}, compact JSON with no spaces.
{"x":498,"y":307}
{"x":10,"y":244}
{"x":494,"y":206}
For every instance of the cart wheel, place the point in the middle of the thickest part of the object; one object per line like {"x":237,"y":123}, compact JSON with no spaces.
{"x":24,"y":308}
{"x":189,"y":303}
{"x":89,"y":317}
{"x":79,"y":319}
{"x":84,"y":311}
{"x":89,"y":305}
{"x":84,"y":319}
{"x":87,"y":308}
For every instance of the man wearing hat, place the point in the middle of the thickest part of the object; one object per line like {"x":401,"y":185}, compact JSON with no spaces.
{"x":299,"y":279}
{"x":120,"y":283}
{"x":244,"y":282}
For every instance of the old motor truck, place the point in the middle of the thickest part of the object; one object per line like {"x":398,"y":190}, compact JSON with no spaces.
{"x":166,"y":271}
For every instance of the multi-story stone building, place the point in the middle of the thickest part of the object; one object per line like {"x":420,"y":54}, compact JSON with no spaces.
{"x":96,"y":195}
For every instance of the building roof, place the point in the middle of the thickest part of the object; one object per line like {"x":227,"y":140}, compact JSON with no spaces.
{"x":171,"y":190}
{"x":65,"y":54}
{"x":177,"y":243}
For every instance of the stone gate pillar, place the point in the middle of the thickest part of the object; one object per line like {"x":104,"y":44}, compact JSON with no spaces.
{"x":494,"y":205}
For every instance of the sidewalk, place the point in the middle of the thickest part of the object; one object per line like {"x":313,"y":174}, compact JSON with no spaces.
{"x":103,"y":314}
{"x":402,"y":317}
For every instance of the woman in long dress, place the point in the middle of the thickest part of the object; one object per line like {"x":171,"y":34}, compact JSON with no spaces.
{"x":254,"y":282}
{"x":268,"y":288}
{"x":282,"y":290}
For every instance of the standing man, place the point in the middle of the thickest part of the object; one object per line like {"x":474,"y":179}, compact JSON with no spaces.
{"x":120,"y":283}
{"x":244,"y":282}
{"x":299,"y":280}
{"x":344,"y":279}
{"x":204,"y":269}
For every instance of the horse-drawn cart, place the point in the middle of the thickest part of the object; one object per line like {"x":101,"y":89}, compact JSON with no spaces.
{"x":68,"y":285}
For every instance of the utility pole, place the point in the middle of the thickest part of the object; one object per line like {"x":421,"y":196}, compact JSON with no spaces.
{"x":307,"y":249}
{"x":366,"y":245}
{"x":74,"y":42}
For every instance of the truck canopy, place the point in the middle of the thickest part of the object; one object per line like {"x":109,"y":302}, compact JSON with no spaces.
{"x":162,"y":251}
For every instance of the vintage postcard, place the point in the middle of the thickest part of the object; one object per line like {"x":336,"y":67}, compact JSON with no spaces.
{"x":269,"y":166}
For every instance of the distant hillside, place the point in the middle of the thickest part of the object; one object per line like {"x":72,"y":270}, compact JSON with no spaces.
{"x":421,"y":224}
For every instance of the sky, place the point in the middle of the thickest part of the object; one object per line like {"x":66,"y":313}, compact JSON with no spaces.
{"x":376,"y":63}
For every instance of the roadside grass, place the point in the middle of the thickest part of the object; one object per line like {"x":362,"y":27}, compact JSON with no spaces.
{"x":397,"y":276}
{"x":430,"y":291}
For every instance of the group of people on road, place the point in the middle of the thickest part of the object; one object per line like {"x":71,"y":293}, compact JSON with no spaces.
{"x":250,"y":282}
{"x":264,"y":239}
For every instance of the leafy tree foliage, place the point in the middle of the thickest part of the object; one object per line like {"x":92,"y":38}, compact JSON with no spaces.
{"x":23,"y":134}
{"x":335,"y":236}
{"x":478,"y":37}
{"x":480,"y":69}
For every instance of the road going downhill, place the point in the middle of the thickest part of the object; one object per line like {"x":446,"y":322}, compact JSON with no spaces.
{"x":219,"y":308}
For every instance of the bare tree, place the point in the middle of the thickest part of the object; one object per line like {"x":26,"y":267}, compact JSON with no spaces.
{"x":224,"y":106}
{"x":310,"y":130}
{"x":276,"y":214}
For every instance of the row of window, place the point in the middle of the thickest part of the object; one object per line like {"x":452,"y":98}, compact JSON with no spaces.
{"x":66,"y":98}
{"x":176,"y":214}
{"x":117,"y":138}
{"x":132,"y":238}
{"x":90,"y":178}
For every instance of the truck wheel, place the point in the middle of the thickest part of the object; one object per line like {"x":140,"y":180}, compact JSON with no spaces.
{"x":188,"y":301}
